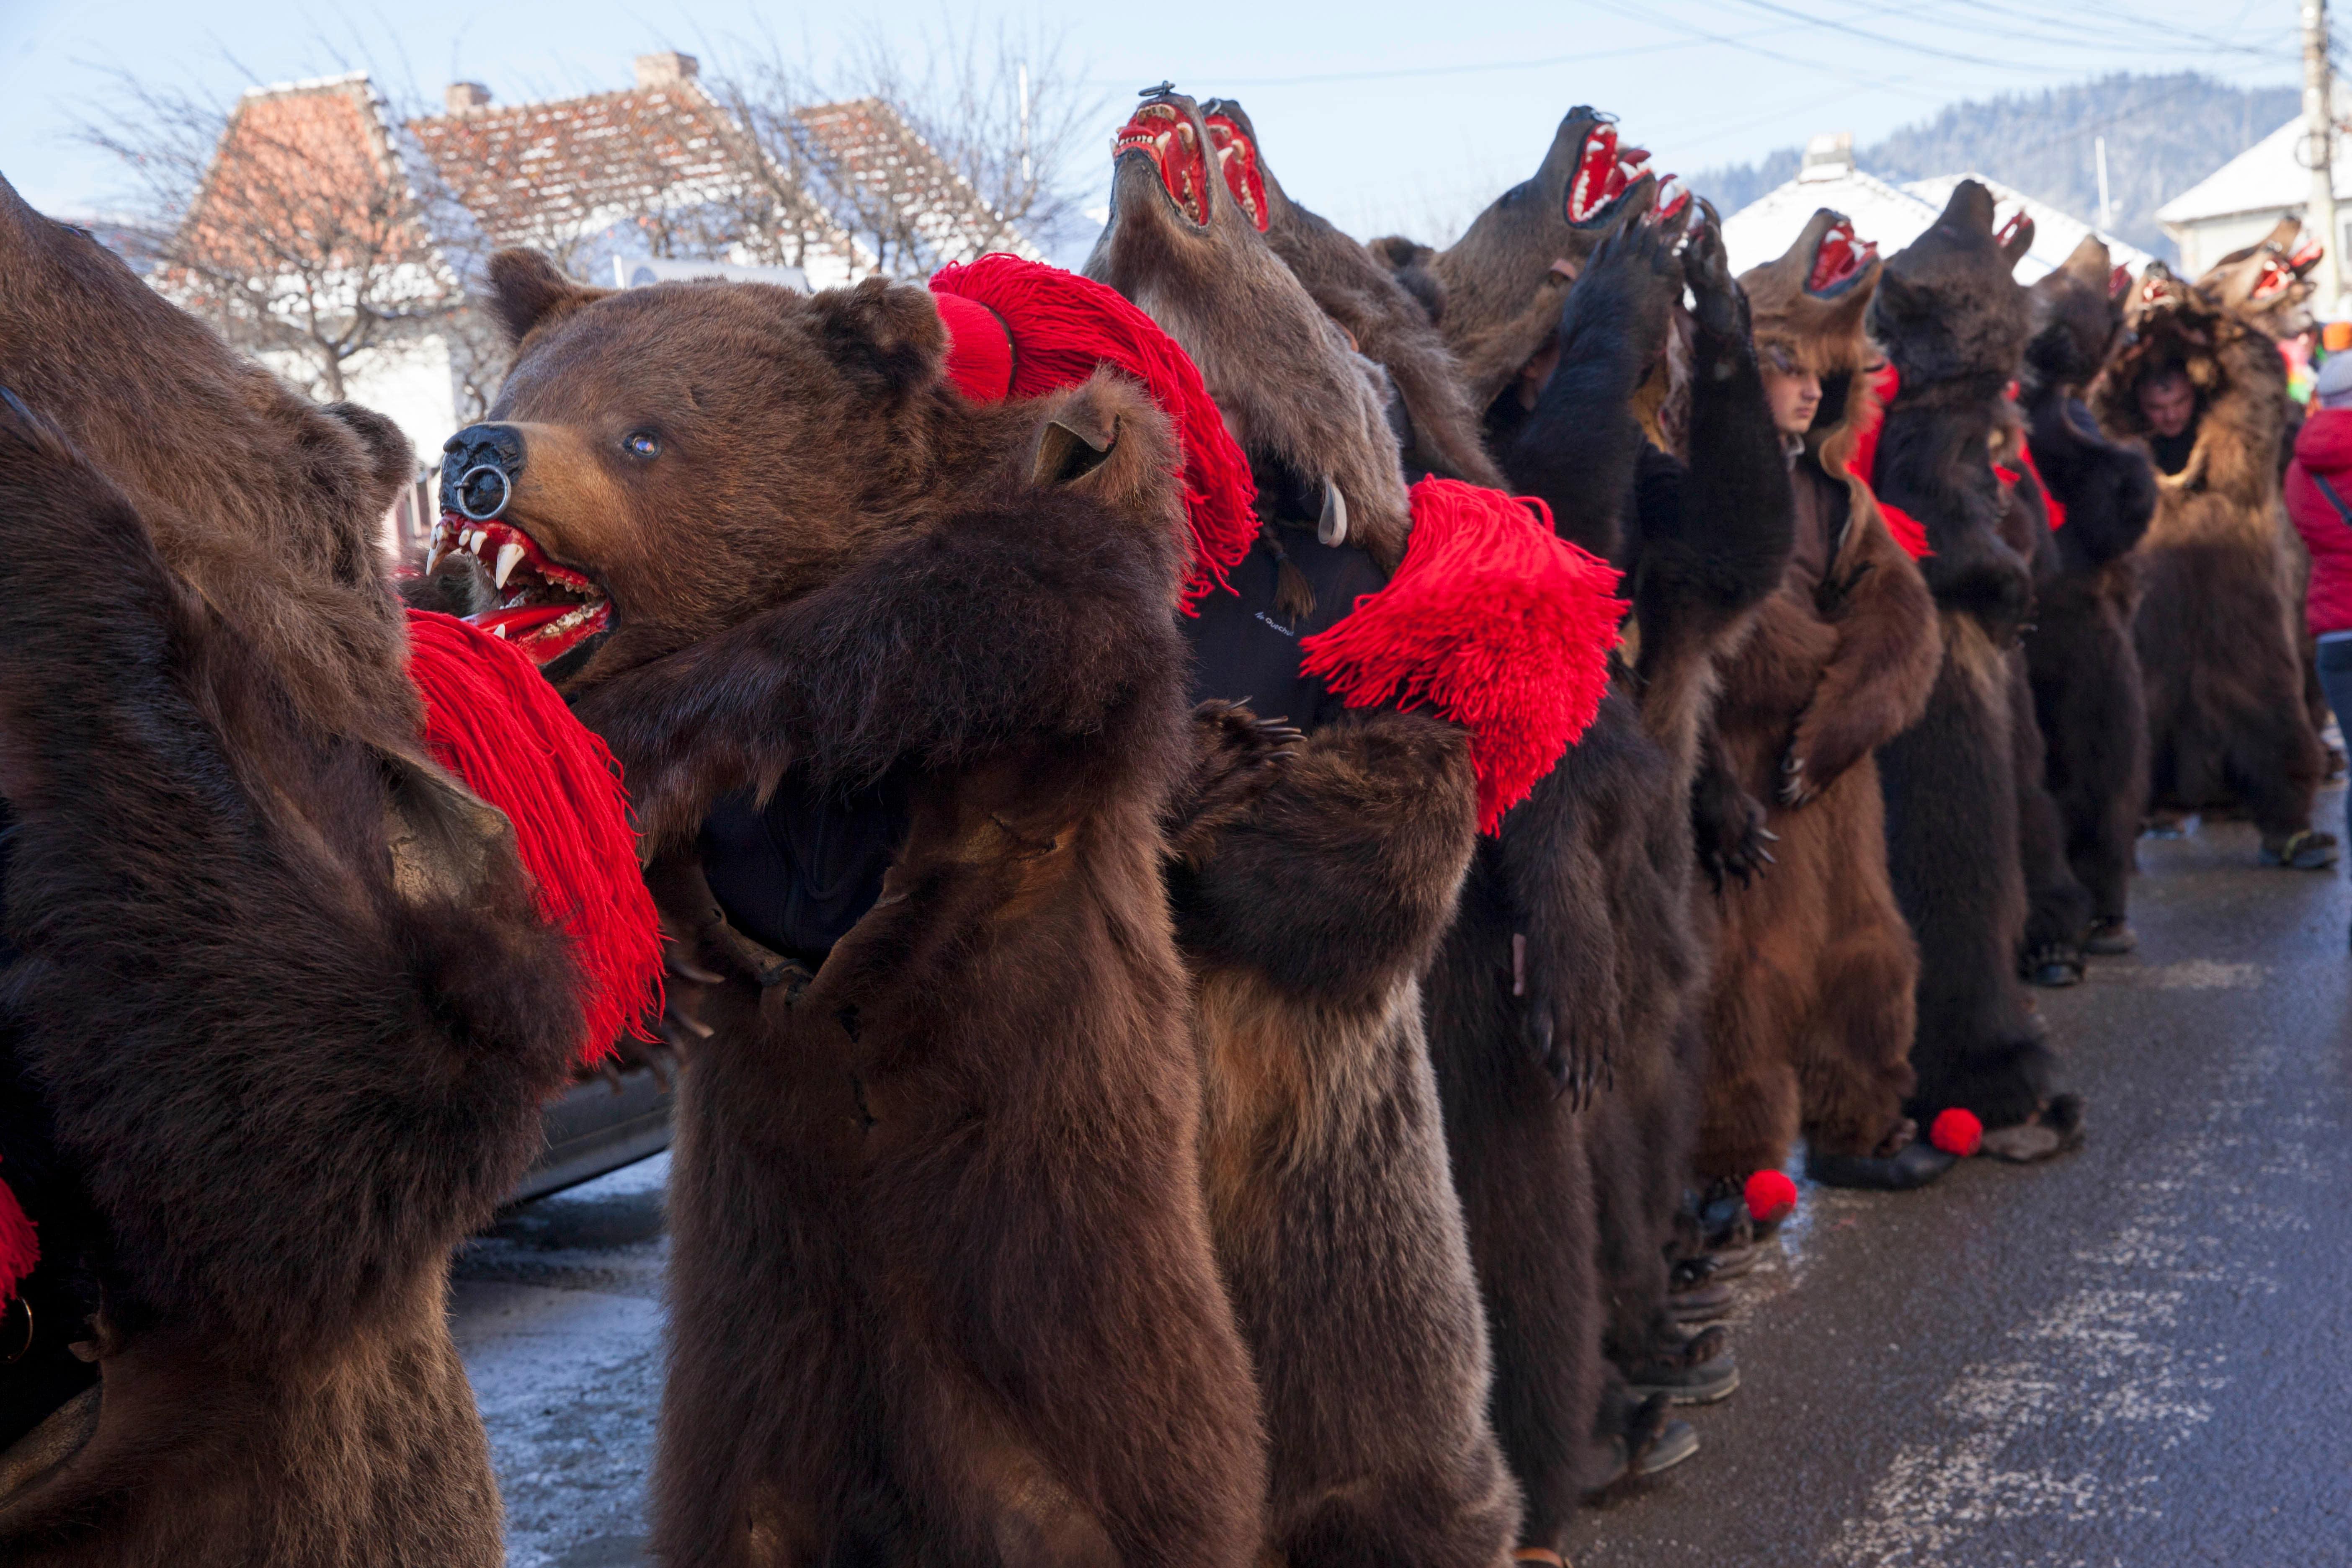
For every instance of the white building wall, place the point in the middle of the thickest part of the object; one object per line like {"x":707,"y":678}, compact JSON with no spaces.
{"x":414,"y":384}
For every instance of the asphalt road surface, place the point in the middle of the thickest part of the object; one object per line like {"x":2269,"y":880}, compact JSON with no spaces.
{"x":2137,"y":1356}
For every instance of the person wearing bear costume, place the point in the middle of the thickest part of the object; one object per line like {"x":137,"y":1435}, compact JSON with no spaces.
{"x":2058,"y":908}
{"x":1307,"y":918}
{"x":2099,"y":494}
{"x":1522,"y":996}
{"x":942,"y":1284}
{"x":279,"y":1011}
{"x":1808,"y":1019}
{"x":1953,"y":323}
{"x":2227,"y":721}
{"x":1558,"y":373}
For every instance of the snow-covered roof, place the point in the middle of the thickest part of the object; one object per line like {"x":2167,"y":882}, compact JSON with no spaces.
{"x":1895,"y":215}
{"x":2056,"y":231}
{"x":1763,"y":230}
{"x":2269,"y":176}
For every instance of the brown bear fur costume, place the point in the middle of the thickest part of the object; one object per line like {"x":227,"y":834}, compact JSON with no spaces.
{"x":2087,"y":691}
{"x":941,"y":1285}
{"x":1355,"y":289}
{"x":1603,"y":849}
{"x":2058,"y":908}
{"x":1810,"y":1016}
{"x":282,"y":996}
{"x":2227,"y":721}
{"x":2268,"y":286}
{"x":1703,"y":534}
{"x":1306,"y":921}
{"x":1518,"y":1046}
{"x":1953,"y":321}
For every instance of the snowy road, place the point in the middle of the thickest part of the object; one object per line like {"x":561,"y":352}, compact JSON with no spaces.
{"x":559,"y":1316}
{"x":2139,"y":1355}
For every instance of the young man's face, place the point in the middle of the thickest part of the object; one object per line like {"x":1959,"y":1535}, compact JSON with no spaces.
{"x":1795,"y":396}
{"x":2168,"y":403}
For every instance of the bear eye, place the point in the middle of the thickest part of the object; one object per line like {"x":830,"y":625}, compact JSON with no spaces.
{"x":641,"y":443}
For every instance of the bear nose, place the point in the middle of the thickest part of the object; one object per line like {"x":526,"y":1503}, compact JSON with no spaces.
{"x":479,"y":470}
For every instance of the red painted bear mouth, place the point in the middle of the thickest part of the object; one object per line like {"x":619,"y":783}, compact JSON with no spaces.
{"x":1603,"y":173}
{"x":2274,"y":280}
{"x":1237,"y":159}
{"x":544,"y":609}
{"x":1840,"y":260}
{"x":1164,"y":133}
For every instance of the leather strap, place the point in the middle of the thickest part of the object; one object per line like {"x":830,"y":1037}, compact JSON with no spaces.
{"x":2333,"y":499}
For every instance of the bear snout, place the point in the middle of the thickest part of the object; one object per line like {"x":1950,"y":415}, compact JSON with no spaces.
{"x":480,"y":468}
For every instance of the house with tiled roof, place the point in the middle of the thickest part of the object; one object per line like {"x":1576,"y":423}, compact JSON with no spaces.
{"x":662,"y":179}
{"x":660,"y":169}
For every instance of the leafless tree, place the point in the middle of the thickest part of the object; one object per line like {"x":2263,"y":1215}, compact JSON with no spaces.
{"x":999,"y":111}
{"x":290,"y":221}
{"x":1003,"y":105}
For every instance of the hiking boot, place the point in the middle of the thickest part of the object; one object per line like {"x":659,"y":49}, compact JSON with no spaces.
{"x":2054,"y":964}
{"x":2309,"y":850}
{"x":2110,"y":938}
{"x":2053,"y":1130}
{"x":1701,"y":1303}
{"x":1915,"y":1166}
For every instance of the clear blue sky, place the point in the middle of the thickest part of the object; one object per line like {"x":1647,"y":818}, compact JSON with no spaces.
{"x":1383,"y":115}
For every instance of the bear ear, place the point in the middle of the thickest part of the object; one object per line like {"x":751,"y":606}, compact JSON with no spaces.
{"x":890,"y":332}
{"x":392,"y":462}
{"x":527,"y":289}
{"x":2017,"y":239}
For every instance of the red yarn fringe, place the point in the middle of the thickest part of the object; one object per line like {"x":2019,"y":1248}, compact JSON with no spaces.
{"x":1908,"y":531}
{"x":1497,"y":623}
{"x":1062,"y":327}
{"x":20,"y":1248}
{"x":2056,"y":508}
{"x":491,"y":719}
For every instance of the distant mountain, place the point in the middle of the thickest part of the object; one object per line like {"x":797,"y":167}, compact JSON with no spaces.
{"x":2163,"y":135}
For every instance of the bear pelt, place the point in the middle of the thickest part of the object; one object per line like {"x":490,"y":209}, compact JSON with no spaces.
{"x":276,"y":984}
{"x":2268,"y":286}
{"x":2083,"y":667}
{"x":1809,"y":1013}
{"x":1306,"y":920}
{"x":2227,"y":721}
{"x":1543,"y":982}
{"x":1385,"y":324}
{"x":1954,"y":321}
{"x":942,"y":1284}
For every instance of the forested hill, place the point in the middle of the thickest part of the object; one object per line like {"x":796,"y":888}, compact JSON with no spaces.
{"x":2163,"y":135}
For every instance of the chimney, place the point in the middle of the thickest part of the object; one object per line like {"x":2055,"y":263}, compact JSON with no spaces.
{"x":666,"y":68}
{"x":463,"y":96}
{"x":1828,"y":157}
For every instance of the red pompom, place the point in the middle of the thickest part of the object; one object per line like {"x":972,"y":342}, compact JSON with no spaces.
{"x":20,"y":1248}
{"x":1908,"y":531}
{"x":1771,"y":1196}
{"x":1496,"y":622}
{"x":491,"y":719}
{"x":1059,"y":327}
{"x":1957,"y":1131}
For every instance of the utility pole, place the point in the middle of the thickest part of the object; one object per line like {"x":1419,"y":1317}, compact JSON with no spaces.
{"x":2106,"y":209}
{"x":2318,"y":112}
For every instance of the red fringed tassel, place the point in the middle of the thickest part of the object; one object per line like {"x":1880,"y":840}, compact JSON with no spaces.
{"x":491,"y":719}
{"x":1060,"y":327}
{"x":1908,"y":531}
{"x":2051,"y":503}
{"x":20,"y":1247}
{"x":1497,"y":623}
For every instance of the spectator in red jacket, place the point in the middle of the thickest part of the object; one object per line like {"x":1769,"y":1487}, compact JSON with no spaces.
{"x":2319,"y":500}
